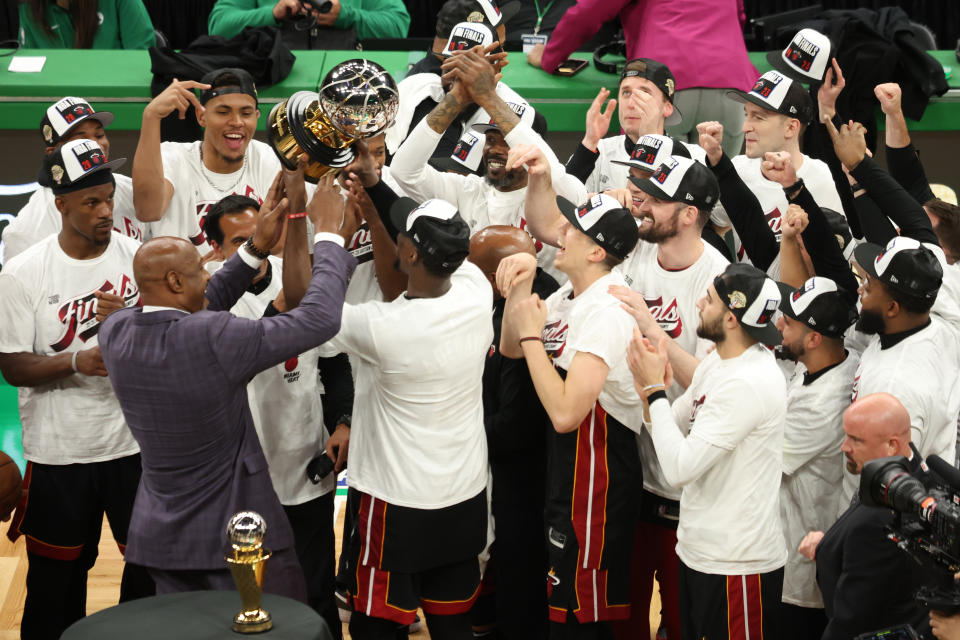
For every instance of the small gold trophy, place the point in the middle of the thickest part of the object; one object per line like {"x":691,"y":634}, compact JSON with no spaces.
{"x":248,"y":566}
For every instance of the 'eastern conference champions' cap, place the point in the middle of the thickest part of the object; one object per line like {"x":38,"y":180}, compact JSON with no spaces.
{"x":75,"y":165}
{"x":820,"y":305}
{"x":753,"y":298}
{"x":604,"y":220}
{"x":67,"y":113}
{"x":776,"y":92}
{"x":435,"y":226}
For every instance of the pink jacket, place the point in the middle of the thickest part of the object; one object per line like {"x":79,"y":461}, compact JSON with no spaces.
{"x":700,"y":40}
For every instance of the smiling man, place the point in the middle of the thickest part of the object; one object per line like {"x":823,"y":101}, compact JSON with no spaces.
{"x":176,"y":183}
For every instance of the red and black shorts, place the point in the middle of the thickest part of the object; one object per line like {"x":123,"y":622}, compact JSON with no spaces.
{"x":62,"y":506}
{"x":399,"y":558}
{"x":730,"y":607}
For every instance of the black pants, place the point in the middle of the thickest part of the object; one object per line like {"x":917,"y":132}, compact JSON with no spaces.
{"x":718,"y":607}
{"x":441,"y":627}
{"x":573,"y":629}
{"x":61,"y":513}
{"x":801,"y":623}
{"x":312,"y":524}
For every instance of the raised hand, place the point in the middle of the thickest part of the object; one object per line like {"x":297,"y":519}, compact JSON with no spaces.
{"x":294,"y":186}
{"x":795,"y":220}
{"x":849,"y":143}
{"x":478,"y":69}
{"x":530,"y":156}
{"x":598,"y":119}
{"x":178,"y":96}
{"x":889,"y":94}
{"x":270,"y":222}
{"x":778,"y":167}
{"x":514,"y":269}
{"x":711,"y":139}
{"x":833,"y":84}
{"x":326,"y":207}
{"x":528,"y":316}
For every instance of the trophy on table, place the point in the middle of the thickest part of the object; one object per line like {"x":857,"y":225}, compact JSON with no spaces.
{"x":248,"y":564}
{"x":357,"y":99}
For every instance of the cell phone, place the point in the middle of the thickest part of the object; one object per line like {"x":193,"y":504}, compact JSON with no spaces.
{"x":902,"y":632}
{"x":571,"y":66}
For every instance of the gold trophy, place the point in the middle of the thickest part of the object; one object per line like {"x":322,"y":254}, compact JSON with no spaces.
{"x":357,"y":99}
{"x":248,"y":565}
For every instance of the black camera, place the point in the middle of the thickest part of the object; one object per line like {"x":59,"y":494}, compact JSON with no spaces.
{"x":320,"y":6}
{"x":927,"y":522}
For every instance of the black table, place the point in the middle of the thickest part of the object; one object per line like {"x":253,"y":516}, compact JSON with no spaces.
{"x":197,"y":615}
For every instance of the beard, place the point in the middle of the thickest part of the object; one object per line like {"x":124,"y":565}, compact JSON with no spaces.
{"x":506,"y":179}
{"x":870,"y":322}
{"x":851,"y":466}
{"x":792,"y":352}
{"x":711,"y":331}
{"x":660,"y":232}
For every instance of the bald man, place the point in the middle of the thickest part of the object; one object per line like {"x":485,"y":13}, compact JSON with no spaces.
{"x":516,"y":427}
{"x":866,"y":581}
{"x":180,"y":367}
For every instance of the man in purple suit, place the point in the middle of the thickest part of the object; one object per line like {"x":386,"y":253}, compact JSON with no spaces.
{"x":180,"y":367}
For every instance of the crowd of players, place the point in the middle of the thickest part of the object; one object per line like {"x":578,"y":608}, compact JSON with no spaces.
{"x":690,"y":358}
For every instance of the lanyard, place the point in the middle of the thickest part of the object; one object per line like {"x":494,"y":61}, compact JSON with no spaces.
{"x":541,"y":14}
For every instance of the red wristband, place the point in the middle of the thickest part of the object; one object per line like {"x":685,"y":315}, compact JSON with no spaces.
{"x":294,"y":216}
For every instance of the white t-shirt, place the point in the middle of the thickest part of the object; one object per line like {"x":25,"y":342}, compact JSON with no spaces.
{"x":672,"y":298}
{"x":812,"y":469}
{"x":594,"y":322}
{"x":479,"y":202}
{"x":285,"y":405}
{"x":730,"y":513}
{"x":40,"y":218}
{"x":196,"y":188}
{"x":606,"y":175}
{"x":816,"y":178}
{"x":363,"y":286}
{"x":49,"y":308}
{"x":418,"y":438}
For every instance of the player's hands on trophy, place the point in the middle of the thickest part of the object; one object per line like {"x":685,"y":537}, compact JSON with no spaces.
{"x":273,"y":214}
{"x":294,"y":186}
{"x":327,"y":206}
{"x":178,"y":96}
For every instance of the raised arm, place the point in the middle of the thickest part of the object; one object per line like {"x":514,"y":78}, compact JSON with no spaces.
{"x":296,"y":254}
{"x":152,"y":192}
{"x":902,"y":158}
{"x":544,"y":220}
{"x":515,"y":276}
{"x":584,"y":157}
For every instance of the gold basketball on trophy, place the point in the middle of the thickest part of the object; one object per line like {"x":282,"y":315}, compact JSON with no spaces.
{"x":357,"y":99}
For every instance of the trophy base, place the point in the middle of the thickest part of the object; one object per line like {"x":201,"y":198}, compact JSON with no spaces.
{"x":256,"y":621}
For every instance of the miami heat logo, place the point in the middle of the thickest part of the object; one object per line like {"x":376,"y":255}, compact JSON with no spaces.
{"x":361,"y":244}
{"x":775,"y":220}
{"x":79,"y":315}
{"x":666,"y":315}
{"x":555,"y":338}
{"x":290,"y":367}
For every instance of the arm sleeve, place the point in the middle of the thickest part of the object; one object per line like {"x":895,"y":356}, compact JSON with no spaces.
{"x":822,"y":246}
{"x":580,"y":23}
{"x":134,"y":25}
{"x":874,"y":226}
{"x":746,"y":215}
{"x":682,"y":459}
{"x":229,"y":17}
{"x":337,"y":379}
{"x":905,"y":167}
{"x":383,"y":198}
{"x":581,"y":162}
{"x":417,"y":178}
{"x":894,"y":201}
{"x":246,"y":347}
{"x":374,"y":18}
{"x":821,"y":140}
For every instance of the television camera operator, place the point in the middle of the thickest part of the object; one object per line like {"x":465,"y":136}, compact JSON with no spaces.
{"x":866,"y":580}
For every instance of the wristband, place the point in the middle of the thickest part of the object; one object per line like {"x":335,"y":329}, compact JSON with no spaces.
{"x":792,"y":191}
{"x":856,"y":186}
{"x":73,"y":362}
{"x":296,"y":216}
{"x":656,"y":395}
{"x":650,"y":387}
{"x":537,"y":338}
{"x":254,"y":251}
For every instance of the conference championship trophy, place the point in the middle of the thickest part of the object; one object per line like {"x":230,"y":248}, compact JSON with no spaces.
{"x":248,"y":565}
{"x":358,"y":99}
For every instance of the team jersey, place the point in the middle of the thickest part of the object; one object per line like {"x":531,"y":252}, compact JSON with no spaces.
{"x":196,"y":188}
{"x":49,"y":307}
{"x":606,"y":175}
{"x":730,"y":513}
{"x":285,"y":405}
{"x":672,"y":299}
{"x":417,"y":438}
{"x":479,"y":202}
{"x":40,"y":218}
{"x":816,"y":178}
{"x":812,"y":468}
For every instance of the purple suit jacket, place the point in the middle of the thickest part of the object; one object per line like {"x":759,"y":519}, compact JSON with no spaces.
{"x":181,"y":380}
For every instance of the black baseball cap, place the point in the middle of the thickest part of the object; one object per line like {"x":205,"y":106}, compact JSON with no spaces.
{"x":651,"y":150}
{"x":605,"y":221}
{"x":904,"y":264}
{"x":436,"y":227}
{"x":65,"y":114}
{"x":227,"y":80}
{"x":489,"y":11}
{"x":660,"y":75}
{"x":806,"y":58}
{"x":75,"y":165}
{"x":820,"y":304}
{"x":776,"y":92}
{"x":682,"y":180}
{"x":753,"y":298}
